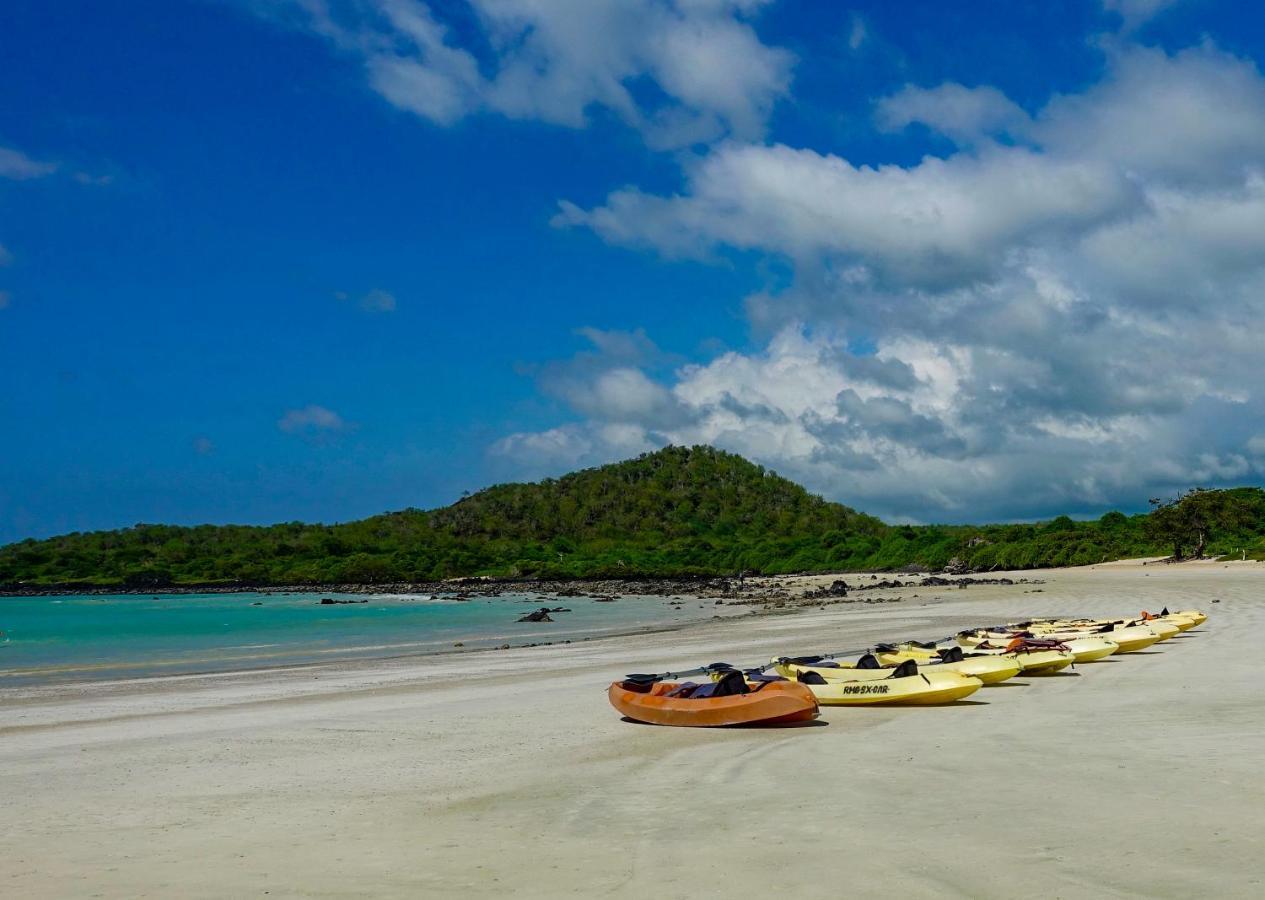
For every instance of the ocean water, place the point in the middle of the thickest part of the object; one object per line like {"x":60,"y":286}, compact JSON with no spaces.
{"x":76,"y":638}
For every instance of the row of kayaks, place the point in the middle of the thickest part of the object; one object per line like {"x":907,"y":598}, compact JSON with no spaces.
{"x":907,"y":673}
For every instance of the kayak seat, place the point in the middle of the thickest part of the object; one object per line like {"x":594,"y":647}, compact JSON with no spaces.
{"x":819,"y":661}
{"x":950,"y":654}
{"x":730,"y":684}
{"x":809,"y":678}
{"x":869,"y":661}
{"x":764,"y":677}
{"x":906,"y":669}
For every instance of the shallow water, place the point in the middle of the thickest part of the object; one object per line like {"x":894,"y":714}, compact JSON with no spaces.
{"x":75,"y":638}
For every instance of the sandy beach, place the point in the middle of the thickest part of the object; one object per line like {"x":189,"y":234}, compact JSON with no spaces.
{"x":481,"y":774}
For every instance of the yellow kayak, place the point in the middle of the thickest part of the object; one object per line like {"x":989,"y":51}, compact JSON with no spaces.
{"x":1032,"y":659}
{"x":904,"y":685}
{"x":1126,"y":638}
{"x":867,"y":668}
{"x":1183,"y":622}
{"x":1167,"y":624}
{"x":988,"y":669}
{"x":1089,"y":649}
{"x":1198,"y":617}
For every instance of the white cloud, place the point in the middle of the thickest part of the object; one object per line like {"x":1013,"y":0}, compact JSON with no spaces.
{"x":556,"y":61}
{"x":1196,"y":117}
{"x":1063,"y":321}
{"x":18,"y":166}
{"x":311,"y":419}
{"x":937,"y":222}
{"x":964,"y":114}
{"x":1135,"y":12}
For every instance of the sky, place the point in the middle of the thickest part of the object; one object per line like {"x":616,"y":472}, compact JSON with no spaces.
{"x":277,"y":260}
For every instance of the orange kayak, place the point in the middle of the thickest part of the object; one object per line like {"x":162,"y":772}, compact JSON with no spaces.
{"x":771,"y":703}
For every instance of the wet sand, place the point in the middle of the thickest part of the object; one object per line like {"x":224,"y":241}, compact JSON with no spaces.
{"x":483,"y":774}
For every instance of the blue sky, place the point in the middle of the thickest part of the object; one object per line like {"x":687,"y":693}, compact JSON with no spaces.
{"x":264,"y":261}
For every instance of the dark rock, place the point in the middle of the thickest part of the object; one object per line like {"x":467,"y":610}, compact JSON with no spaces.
{"x":540,"y":615}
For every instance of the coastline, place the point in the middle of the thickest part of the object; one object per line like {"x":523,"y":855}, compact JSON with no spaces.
{"x":491,"y":773}
{"x":754,"y":587}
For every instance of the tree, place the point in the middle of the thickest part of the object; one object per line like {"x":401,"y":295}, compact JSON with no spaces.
{"x":1190,"y":519}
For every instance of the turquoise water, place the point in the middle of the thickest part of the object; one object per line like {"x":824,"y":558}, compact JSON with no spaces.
{"x":76,"y":638}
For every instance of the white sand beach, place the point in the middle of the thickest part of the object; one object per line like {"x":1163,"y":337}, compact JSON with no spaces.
{"x":492,"y":773}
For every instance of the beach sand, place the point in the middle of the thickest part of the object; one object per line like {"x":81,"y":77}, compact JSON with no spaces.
{"x":481,"y":774}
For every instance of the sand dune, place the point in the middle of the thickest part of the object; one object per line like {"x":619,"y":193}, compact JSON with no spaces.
{"x":491,"y":773}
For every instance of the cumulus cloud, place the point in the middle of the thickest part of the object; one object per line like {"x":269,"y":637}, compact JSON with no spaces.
{"x":962,"y":113}
{"x":558,"y":61}
{"x":311,"y":420}
{"x":1136,"y":12}
{"x":17,"y":166}
{"x":941,"y":222}
{"x":1060,"y":315}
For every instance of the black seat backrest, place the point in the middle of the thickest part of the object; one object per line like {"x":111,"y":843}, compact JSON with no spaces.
{"x":905,"y":669}
{"x":809,"y":678}
{"x":643,"y":679}
{"x":1164,"y":611}
{"x":869,"y":661}
{"x":950,"y":654}
{"x":761,"y":675}
{"x":731,"y":684}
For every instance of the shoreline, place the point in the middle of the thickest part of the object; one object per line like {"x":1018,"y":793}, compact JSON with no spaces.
{"x":398,"y":777}
{"x":705,"y":587}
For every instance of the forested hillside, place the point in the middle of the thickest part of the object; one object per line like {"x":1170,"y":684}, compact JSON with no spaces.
{"x":675,"y":512}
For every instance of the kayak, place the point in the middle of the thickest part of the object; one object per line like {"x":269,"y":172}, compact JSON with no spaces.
{"x":1183,"y":622}
{"x":905,"y":685}
{"x":1163,"y":630}
{"x":988,"y":669}
{"x":1032,"y":656}
{"x":866,"y":668}
{"x":1198,"y":617}
{"x":1090,"y":648}
{"x":1126,"y":639}
{"x":728,"y":701}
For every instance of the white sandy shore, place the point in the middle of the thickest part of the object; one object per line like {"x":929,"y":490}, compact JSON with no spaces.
{"x":492,"y":773}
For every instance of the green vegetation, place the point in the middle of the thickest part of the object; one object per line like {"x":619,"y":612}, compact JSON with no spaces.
{"x":679,"y":511}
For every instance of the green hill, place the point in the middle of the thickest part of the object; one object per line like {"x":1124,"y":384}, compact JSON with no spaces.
{"x":678,"y":511}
